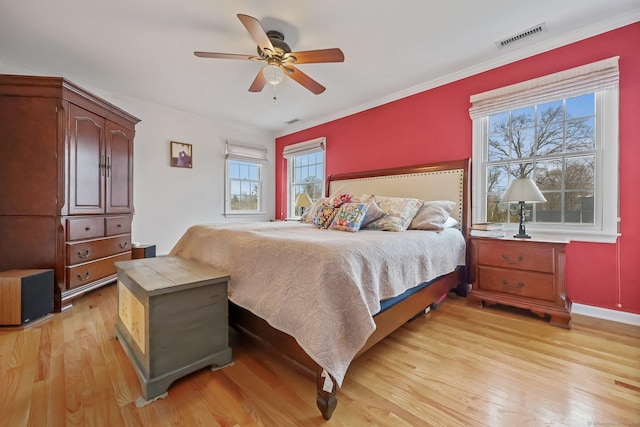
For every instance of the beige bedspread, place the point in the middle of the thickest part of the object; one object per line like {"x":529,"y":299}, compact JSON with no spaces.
{"x":321,"y":286}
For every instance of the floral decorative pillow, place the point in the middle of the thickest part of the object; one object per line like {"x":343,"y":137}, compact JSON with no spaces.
{"x":342,"y":195}
{"x":399,"y":212}
{"x":349,"y":217}
{"x":308,"y":214}
{"x":432,"y":215}
{"x":340,"y":199}
{"x":324,"y":215}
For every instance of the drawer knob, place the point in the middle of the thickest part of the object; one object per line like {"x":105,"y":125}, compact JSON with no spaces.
{"x":85,"y":277}
{"x":508,"y":285}
{"x":87,"y":228}
{"x":124,"y":245}
{"x":119,"y":225}
{"x":512,"y":261}
{"x":85,"y":255}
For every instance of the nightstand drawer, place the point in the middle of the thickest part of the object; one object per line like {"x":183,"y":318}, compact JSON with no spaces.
{"x":516,"y":256}
{"x":522,"y":283}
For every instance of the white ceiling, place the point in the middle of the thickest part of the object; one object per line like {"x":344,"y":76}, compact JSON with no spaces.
{"x":144,"y":48}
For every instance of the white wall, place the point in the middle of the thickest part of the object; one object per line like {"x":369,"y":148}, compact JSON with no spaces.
{"x":168,"y":200}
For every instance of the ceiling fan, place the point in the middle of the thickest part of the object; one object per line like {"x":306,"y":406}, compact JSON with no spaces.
{"x":277,"y":54}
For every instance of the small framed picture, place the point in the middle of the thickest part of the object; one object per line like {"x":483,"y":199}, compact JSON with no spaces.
{"x":181,"y":155}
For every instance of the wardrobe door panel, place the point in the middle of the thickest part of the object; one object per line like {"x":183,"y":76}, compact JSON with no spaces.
{"x":86,"y":162}
{"x":119,"y":169}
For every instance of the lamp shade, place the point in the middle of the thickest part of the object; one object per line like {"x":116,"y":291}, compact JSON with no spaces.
{"x":523,"y":190}
{"x":303,"y":200}
{"x":273,"y":74}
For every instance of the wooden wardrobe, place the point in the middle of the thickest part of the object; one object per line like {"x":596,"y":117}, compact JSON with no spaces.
{"x":66,"y":183}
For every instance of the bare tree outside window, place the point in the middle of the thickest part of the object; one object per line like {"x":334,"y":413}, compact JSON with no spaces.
{"x":244,"y":182}
{"x":553,"y":143}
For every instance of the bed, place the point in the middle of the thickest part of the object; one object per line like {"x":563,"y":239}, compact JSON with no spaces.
{"x":321,"y":297}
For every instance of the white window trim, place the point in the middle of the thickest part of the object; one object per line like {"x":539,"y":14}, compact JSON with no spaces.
{"x":243,"y":153}
{"x":298,"y":149}
{"x":511,"y":97}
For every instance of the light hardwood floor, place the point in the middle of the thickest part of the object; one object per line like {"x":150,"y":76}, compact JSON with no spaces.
{"x":457,"y":366}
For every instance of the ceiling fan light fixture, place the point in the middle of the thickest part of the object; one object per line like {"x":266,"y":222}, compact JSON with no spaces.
{"x":273,"y":74}
{"x":276,"y":53}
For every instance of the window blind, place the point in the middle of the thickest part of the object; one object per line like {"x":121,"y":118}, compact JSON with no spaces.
{"x":318,"y":144}
{"x":246,"y":153}
{"x":577,"y":81}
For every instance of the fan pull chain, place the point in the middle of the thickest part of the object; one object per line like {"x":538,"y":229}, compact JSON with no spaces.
{"x":274,"y":93}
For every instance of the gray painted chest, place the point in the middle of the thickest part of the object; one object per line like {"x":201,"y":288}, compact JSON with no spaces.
{"x":172,"y":319}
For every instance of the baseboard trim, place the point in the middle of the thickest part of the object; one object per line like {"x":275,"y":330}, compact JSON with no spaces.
{"x":606,"y":314}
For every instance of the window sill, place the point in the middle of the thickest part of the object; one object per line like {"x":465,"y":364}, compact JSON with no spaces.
{"x":241,"y":214}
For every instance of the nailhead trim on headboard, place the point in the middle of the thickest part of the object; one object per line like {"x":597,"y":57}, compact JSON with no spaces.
{"x":431,"y":185}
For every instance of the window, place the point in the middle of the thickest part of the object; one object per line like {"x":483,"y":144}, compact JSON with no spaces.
{"x":306,"y":173}
{"x":243,"y":170}
{"x":562,"y":131}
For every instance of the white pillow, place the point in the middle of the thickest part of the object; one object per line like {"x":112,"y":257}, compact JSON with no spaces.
{"x":451,"y":222}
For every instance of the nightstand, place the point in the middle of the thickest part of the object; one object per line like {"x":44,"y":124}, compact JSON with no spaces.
{"x":528,"y":274}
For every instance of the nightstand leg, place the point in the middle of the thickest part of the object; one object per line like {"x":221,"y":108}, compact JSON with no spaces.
{"x":560,"y":321}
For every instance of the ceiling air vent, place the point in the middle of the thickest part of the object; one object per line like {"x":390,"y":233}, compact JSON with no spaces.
{"x":541,"y":28}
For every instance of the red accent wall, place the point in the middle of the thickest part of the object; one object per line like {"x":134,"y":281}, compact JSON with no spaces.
{"x":434,"y":125}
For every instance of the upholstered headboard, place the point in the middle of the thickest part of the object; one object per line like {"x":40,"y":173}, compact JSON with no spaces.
{"x":437,"y":181}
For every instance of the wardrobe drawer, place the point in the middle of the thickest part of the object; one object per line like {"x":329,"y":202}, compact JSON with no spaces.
{"x":83,"y":274}
{"x":89,"y":250}
{"x":85,"y":228}
{"x":517,"y":256}
{"x":118,"y":225}
{"x":521,"y":283}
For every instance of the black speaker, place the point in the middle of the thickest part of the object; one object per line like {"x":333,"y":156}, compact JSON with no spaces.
{"x":143,"y":251}
{"x":25,"y":295}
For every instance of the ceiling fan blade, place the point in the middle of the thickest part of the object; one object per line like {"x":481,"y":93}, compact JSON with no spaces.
{"x":304,"y":80}
{"x":316,"y":56}
{"x":258,"y":82}
{"x":223,"y":55}
{"x":257,"y":32}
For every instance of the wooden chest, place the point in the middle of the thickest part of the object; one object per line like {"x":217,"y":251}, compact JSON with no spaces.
{"x":172,"y":319}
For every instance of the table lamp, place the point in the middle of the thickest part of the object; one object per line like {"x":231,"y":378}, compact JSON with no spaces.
{"x":523,"y":191}
{"x":302,"y":201}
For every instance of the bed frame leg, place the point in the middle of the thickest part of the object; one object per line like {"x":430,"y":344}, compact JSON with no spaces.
{"x":462,"y":290}
{"x":326,"y":400}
